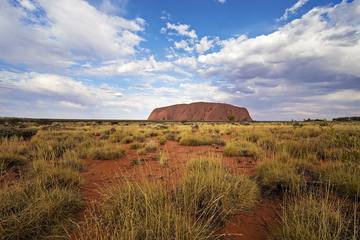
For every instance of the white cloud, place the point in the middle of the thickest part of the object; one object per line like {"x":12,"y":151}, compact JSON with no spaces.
{"x":57,"y":35}
{"x":27,"y":4}
{"x":293,"y":9}
{"x":184,"y":45}
{"x":221,"y":1}
{"x":204,"y":45}
{"x":48,"y":95}
{"x":181,"y":29}
{"x":142,"y":67}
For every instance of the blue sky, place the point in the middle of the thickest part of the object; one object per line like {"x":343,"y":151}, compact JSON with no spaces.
{"x":283,"y":60}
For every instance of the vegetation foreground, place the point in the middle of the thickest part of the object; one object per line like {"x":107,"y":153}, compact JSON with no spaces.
{"x":312,"y":168}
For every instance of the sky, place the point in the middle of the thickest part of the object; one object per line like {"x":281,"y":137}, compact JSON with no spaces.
{"x":119,"y":59}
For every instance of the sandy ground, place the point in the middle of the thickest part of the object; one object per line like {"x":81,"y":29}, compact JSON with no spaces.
{"x":98,"y":175}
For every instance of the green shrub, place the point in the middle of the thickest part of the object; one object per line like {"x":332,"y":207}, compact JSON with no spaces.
{"x":242,"y":149}
{"x":24,"y":133}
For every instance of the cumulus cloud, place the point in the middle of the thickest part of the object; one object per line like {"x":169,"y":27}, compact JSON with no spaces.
{"x":180,"y":29}
{"x":293,"y":9}
{"x":63,"y":33}
{"x":204,"y":44}
{"x":34,"y":94}
{"x":317,"y":54}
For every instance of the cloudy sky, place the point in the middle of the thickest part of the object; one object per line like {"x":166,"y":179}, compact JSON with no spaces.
{"x":283,"y":60}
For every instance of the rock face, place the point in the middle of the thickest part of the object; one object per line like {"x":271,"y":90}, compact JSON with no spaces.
{"x":200,"y":111}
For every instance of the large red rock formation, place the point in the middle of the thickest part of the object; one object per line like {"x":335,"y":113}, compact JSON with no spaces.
{"x":200,"y":111}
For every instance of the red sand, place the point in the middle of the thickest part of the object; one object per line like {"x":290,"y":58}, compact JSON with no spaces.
{"x":244,"y":226}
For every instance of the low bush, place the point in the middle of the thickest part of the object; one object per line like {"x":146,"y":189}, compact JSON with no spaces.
{"x":24,"y":133}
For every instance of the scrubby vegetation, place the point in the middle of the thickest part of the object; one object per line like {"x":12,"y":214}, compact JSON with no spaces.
{"x":189,"y":197}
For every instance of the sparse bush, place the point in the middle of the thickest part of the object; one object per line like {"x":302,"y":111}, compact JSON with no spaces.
{"x":24,"y":133}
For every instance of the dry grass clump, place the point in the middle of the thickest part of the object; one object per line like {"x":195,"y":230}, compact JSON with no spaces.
{"x":139,"y":212}
{"x":162,"y":139}
{"x":278,"y":176}
{"x":136,"y":145}
{"x":314,"y":217}
{"x":29,"y":212}
{"x":190,"y":139}
{"x":163,"y":158}
{"x":11,"y":160}
{"x":344,"y":178}
{"x":149,"y":147}
{"x":211,"y":193}
{"x":106,"y":152}
{"x":242,"y":148}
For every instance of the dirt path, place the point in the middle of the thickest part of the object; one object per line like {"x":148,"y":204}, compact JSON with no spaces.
{"x":252,"y":225}
{"x":101,"y":174}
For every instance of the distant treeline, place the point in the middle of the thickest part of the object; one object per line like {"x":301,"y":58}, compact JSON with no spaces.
{"x":347,"y":119}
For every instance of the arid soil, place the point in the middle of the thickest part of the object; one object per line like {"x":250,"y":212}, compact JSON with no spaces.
{"x":99,"y":175}
{"x":200,"y":111}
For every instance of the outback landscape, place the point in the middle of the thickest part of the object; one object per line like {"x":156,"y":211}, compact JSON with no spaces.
{"x":179,"y":120}
{"x":179,"y":180}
